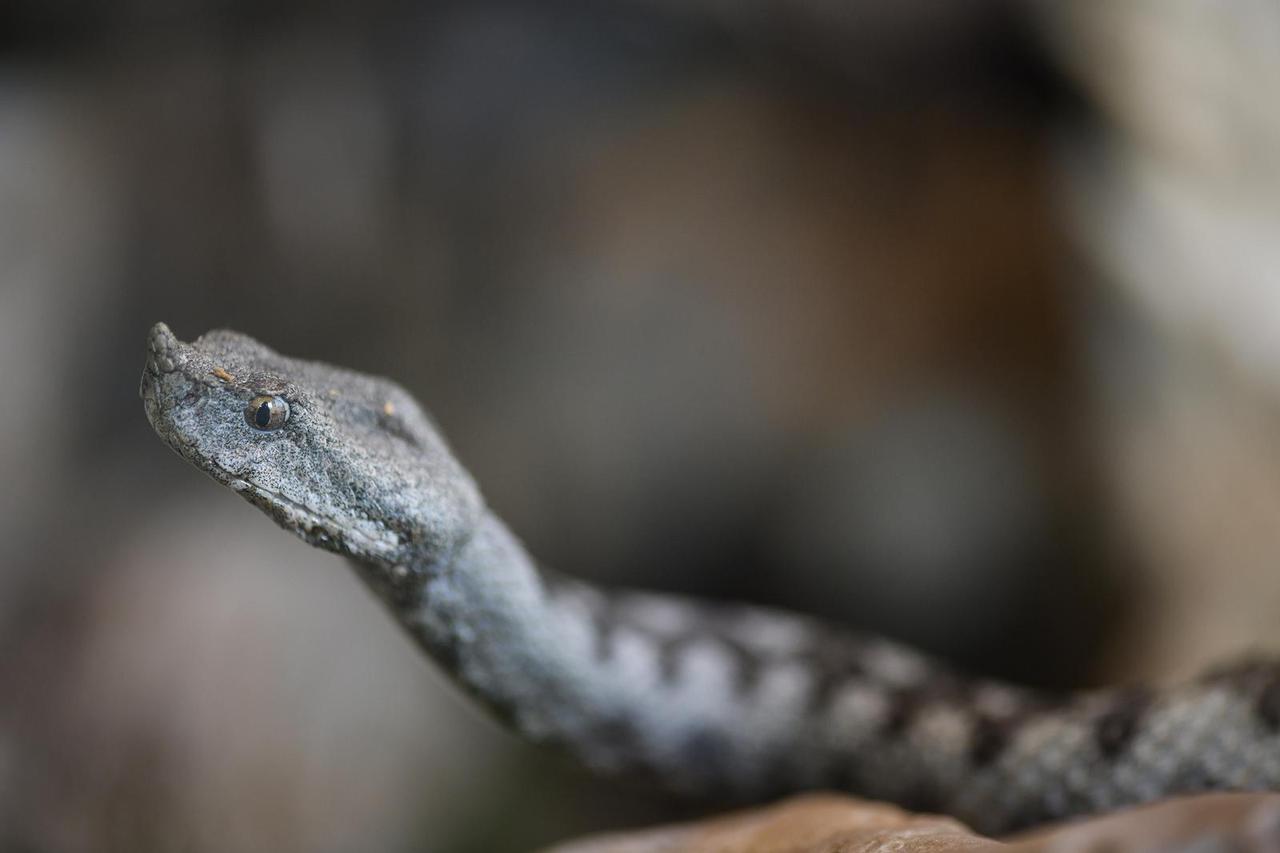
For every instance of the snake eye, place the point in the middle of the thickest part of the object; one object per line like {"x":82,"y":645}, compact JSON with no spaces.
{"x":266,"y":413}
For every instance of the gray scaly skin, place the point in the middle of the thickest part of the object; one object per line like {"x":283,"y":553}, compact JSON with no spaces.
{"x":730,"y":700}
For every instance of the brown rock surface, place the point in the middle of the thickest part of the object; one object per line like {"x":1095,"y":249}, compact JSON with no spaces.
{"x":829,"y":823}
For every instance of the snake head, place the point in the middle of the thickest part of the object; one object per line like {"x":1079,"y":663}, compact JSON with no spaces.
{"x":349,"y":462}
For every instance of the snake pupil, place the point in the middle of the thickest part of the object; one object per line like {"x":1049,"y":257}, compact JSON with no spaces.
{"x":266,"y":413}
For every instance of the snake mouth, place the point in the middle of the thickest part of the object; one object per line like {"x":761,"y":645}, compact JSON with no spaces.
{"x":313,"y":526}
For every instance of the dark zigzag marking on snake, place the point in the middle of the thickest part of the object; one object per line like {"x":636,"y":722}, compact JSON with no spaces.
{"x":992,"y":733}
{"x":835,"y":660}
{"x":1115,"y":728}
{"x":608,"y":615}
{"x":1254,"y":677}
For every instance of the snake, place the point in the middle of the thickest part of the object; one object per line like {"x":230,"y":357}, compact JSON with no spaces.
{"x":704,"y":697}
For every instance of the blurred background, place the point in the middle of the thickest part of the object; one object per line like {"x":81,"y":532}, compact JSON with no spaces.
{"x":959,"y":322}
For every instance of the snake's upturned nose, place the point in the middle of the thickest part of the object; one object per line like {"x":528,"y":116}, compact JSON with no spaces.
{"x":161,"y":338}
{"x":161,"y":348}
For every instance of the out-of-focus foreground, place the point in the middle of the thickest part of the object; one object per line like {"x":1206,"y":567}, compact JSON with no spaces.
{"x":823,"y":823}
{"x":952,"y":321}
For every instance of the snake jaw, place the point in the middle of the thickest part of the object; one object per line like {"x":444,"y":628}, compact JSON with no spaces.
{"x":352,"y":539}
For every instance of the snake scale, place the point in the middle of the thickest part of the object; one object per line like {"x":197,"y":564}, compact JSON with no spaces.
{"x":705,"y":697}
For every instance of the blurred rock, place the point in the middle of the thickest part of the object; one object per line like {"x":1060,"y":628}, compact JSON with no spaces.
{"x":812,"y":824}
{"x":1240,"y":823}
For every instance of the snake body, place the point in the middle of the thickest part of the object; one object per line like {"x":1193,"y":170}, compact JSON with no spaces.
{"x":705,"y":697}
